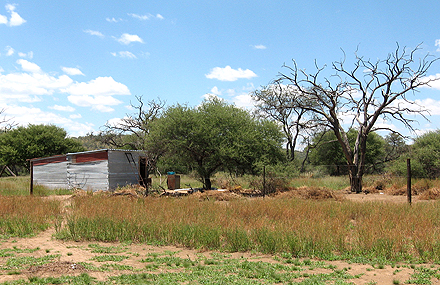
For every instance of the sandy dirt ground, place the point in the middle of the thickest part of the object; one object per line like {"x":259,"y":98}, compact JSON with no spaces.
{"x":72,"y":253}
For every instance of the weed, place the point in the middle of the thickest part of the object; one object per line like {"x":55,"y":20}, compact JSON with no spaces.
{"x":25,"y":261}
{"x":105,"y":258}
{"x":106,"y":249}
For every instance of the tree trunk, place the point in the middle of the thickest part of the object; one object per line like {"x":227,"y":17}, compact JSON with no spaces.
{"x":207,"y":183}
{"x":355,"y":180}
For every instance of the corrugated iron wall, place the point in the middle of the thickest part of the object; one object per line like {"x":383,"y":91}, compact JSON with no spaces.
{"x":52,"y":175}
{"x":122,"y":169}
{"x":91,"y":175}
{"x":92,"y":170}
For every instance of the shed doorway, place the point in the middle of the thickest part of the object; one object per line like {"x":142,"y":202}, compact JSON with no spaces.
{"x":143,"y":172}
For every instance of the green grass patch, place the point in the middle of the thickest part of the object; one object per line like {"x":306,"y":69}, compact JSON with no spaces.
{"x":23,"y":262}
{"x":110,"y":257}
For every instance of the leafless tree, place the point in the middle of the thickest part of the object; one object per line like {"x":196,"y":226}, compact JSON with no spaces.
{"x":366,"y":93}
{"x":132,"y":131}
{"x":278,"y":102}
{"x":6,"y":124}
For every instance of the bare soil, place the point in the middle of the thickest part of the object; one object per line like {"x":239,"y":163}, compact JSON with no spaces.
{"x":72,"y":253}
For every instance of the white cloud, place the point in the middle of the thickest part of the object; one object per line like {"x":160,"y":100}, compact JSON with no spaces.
{"x":215,"y":91}
{"x":145,"y":17}
{"x":244,"y":101}
{"x":113,"y":20}
{"x":126,"y":39}
{"x":62,"y":108}
{"x":125,"y":54}
{"x":434,"y":80}
{"x":429,"y":104}
{"x":98,"y":103}
{"x":28,"y":55}
{"x":259,"y":47}
{"x":29,"y":66}
{"x":101,"y":86}
{"x":75,"y":116}
{"x":94,"y":33}
{"x":14,"y":20}
{"x":72,"y":70}
{"x":140,"y":17}
{"x":229,"y":74}
{"x":3,"y":19}
{"x":9,"y":51}
{"x":30,"y":85}
{"x":25,"y":115}
{"x":114,"y":122}
{"x":437,"y":44}
{"x":209,"y":96}
{"x":24,"y":87}
{"x":103,"y":108}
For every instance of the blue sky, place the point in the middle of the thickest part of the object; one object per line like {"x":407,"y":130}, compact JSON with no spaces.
{"x":78,"y":64}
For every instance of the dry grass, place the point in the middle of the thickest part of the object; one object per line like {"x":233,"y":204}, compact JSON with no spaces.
{"x":430,"y":194}
{"x":26,"y":215}
{"x":305,"y":222}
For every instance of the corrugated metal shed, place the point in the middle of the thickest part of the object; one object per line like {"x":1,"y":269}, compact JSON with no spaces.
{"x":104,"y":169}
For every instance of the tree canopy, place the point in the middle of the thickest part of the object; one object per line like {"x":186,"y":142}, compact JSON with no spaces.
{"x":22,"y":143}
{"x":424,"y":155}
{"x":328,"y":152}
{"x":216,"y":135}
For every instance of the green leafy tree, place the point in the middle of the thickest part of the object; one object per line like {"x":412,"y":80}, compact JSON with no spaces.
{"x":395,"y":146}
{"x":22,"y":143}
{"x":216,"y":135}
{"x":327,"y":151}
{"x":424,"y":155}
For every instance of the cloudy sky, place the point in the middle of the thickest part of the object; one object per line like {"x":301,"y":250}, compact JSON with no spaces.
{"x":78,"y":64}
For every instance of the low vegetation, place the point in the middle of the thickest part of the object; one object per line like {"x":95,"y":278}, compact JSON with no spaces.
{"x":295,"y":223}
{"x":23,"y":216}
{"x":325,"y":229}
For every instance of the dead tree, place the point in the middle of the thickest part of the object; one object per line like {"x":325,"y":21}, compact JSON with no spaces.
{"x":359,"y":96}
{"x":132,"y":131}
{"x":278,"y":102}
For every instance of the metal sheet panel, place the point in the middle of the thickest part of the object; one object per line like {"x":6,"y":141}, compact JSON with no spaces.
{"x":88,"y":175}
{"x":90,"y":156}
{"x":51,"y":175}
{"x":123,"y":170}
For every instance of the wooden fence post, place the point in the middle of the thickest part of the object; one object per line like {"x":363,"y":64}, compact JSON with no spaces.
{"x":264,"y":181}
{"x":408,"y":180}
{"x":31,"y":165}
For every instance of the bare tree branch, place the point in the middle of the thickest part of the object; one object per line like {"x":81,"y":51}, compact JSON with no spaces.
{"x":368,"y":91}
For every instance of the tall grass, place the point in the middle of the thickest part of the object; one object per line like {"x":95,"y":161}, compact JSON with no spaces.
{"x":22,"y":216}
{"x":20,"y":186}
{"x":325,"y":229}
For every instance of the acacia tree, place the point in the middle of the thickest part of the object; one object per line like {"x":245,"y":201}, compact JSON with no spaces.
{"x":327,"y":152}
{"x":425,"y":157}
{"x":367,"y":92}
{"x":23,"y":143}
{"x":216,"y":135}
